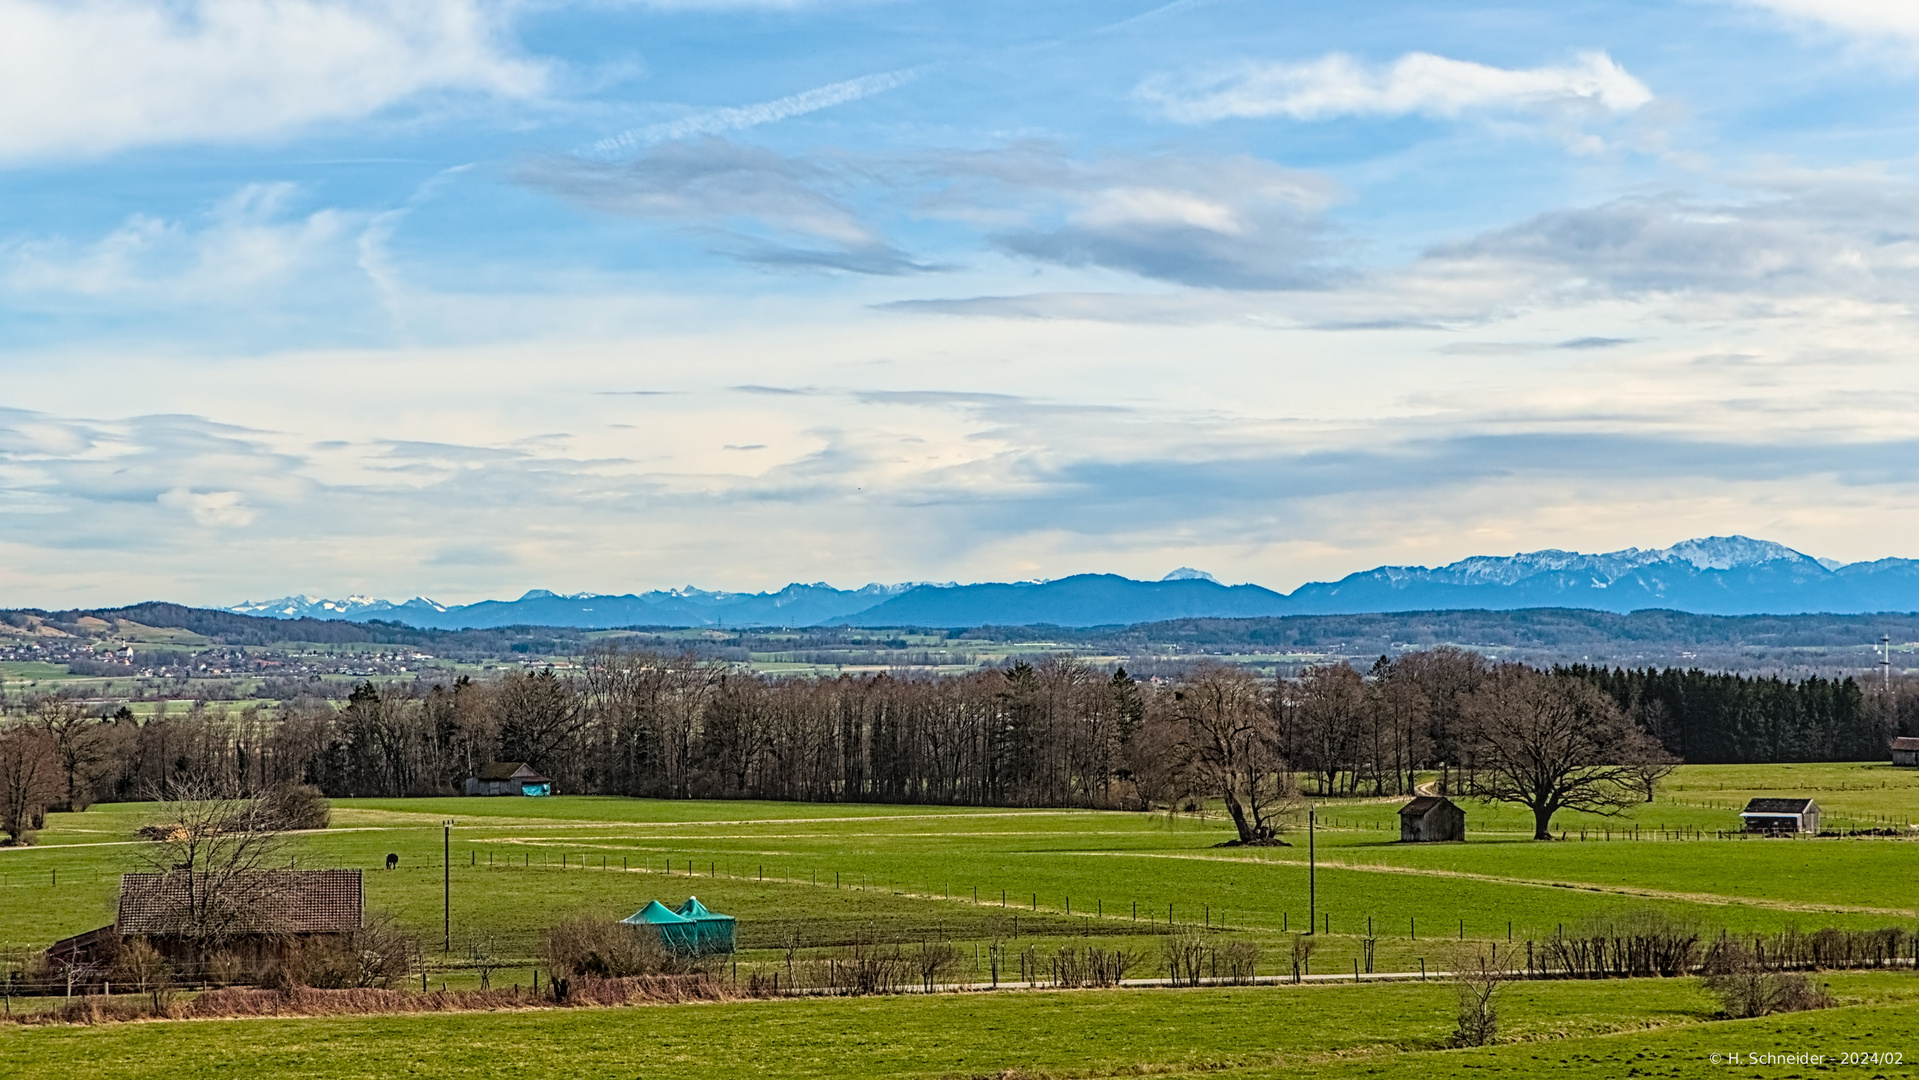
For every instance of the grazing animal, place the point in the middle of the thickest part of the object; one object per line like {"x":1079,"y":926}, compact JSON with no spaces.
{"x":392,"y":860}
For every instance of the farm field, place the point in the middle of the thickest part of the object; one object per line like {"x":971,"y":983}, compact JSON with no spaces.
{"x":1041,"y":880}
{"x":841,"y":872}
{"x":1603,"y":1029}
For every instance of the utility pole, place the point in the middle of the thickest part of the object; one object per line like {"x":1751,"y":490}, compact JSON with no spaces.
{"x":446,"y":883}
{"x":1312,"y":873}
{"x":1885,"y":661}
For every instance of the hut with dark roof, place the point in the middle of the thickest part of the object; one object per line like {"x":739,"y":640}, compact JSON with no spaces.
{"x":508,"y":778}
{"x":1431,"y":819}
{"x":1905,"y":750}
{"x":1776,"y":816}
{"x":266,"y":911}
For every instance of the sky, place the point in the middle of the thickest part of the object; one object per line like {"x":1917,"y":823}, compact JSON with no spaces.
{"x":460,"y":298}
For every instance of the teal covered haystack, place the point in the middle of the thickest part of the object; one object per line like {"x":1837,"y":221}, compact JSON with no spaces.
{"x":714,"y":931}
{"x":676,"y":932}
{"x":692,"y":929}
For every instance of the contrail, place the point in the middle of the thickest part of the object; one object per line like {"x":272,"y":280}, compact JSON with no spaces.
{"x":715,"y":121}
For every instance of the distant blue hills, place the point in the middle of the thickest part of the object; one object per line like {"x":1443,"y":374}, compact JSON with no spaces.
{"x":1720,"y":575}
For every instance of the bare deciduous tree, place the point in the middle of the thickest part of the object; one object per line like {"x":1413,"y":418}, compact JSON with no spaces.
{"x":1227,"y":745}
{"x":80,"y":742}
{"x":1330,"y":717}
{"x":29,"y":780}
{"x":1550,"y":743}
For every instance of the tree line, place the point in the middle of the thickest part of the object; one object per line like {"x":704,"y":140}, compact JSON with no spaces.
{"x":1055,"y":732}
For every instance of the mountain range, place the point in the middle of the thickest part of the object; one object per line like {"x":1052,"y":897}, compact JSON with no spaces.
{"x":1719,"y":575}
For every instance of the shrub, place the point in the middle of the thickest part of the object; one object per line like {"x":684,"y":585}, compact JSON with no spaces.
{"x":596,"y":946}
{"x":1479,"y":976}
{"x":1302,"y":953}
{"x":1241,"y":960}
{"x":1747,"y":987}
{"x":375,"y":956}
{"x":1091,"y":966}
{"x":141,"y":964}
{"x":935,"y":960}
{"x":1185,"y":952}
{"x":296,"y":806}
{"x":224,"y":968}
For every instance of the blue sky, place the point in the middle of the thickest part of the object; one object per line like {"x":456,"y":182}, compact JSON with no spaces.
{"x":463,"y":298}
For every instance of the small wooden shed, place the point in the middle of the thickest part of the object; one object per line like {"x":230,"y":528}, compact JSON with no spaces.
{"x":279,"y":907}
{"x":508,"y":778}
{"x":1431,"y":819}
{"x":1781,"y":816}
{"x":1905,"y":751}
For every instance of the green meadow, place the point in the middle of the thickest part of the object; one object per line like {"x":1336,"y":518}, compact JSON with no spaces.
{"x":1603,"y":1029}
{"x":1041,"y":879}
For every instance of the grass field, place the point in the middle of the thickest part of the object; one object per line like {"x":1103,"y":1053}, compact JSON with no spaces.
{"x":1044,"y":878}
{"x":1659,"y":1027}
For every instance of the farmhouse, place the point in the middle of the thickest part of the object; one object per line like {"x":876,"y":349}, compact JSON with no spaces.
{"x":1905,"y":751}
{"x":1781,"y":816}
{"x":1430,"y":819}
{"x":508,"y":778}
{"x":280,"y":906}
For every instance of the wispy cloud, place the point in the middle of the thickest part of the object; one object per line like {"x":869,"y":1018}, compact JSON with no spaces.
{"x":1217,"y":222}
{"x":741,"y":117}
{"x":1419,"y":83}
{"x":757,"y":205}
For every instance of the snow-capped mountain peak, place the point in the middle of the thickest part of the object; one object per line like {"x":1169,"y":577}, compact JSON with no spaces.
{"x":1729,"y":552}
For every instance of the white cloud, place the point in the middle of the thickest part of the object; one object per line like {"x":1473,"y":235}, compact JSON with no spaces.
{"x":1871,"y":19}
{"x":210,"y":509}
{"x":249,"y":241}
{"x":1417,"y":83}
{"x":88,"y":77}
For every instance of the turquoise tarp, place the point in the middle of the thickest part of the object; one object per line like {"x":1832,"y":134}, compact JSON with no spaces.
{"x":713,"y":931}
{"x":675,"y":930}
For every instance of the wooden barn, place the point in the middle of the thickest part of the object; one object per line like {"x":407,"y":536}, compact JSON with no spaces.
{"x":508,"y":778}
{"x":1905,"y":751}
{"x":280,"y":906}
{"x":1431,"y":819}
{"x":1781,"y":816}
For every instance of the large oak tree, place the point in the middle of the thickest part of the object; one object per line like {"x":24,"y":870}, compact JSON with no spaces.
{"x":1553,"y":742}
